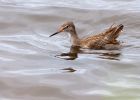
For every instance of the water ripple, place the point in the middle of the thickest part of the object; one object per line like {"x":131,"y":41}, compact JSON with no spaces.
{"x":88,"y":4}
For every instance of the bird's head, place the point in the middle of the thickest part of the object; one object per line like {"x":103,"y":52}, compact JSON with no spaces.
{"x":65,"y":27}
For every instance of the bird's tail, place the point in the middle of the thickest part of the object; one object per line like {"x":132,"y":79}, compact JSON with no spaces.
{"x":113,"y":32}
{"x":109,"y":35}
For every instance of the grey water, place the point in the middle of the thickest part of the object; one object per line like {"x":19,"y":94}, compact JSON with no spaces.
{"x":31,"y":63}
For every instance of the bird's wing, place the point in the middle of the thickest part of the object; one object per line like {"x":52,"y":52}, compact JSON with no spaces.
{"x":107,"y":37}
{"x":113,"y":32}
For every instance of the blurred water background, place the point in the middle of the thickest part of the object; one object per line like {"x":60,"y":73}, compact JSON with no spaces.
{"x":29,"y":65}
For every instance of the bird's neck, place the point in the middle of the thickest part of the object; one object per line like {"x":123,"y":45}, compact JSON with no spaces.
{"x":74,"y":38}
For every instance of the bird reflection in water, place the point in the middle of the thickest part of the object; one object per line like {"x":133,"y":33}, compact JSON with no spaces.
{"x":110,"y":55}
{"x":72,"y":54}
{"x":103,"y":54}
{"x":69,"y":69}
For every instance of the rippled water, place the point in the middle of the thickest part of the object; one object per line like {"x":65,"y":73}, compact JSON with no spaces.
{"x":30,"y":62}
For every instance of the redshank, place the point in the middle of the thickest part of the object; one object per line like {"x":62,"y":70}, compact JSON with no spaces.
{"x":107,"y":38}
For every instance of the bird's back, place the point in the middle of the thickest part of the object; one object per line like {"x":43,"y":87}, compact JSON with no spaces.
{"x":101,"y":40}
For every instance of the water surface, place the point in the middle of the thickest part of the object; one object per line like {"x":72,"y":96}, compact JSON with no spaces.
{"x":30,"y":62}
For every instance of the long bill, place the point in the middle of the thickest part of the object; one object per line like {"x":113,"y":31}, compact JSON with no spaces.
{"x":54,"y":34}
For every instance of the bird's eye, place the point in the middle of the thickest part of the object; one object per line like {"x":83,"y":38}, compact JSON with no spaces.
{"x":66,"y":26}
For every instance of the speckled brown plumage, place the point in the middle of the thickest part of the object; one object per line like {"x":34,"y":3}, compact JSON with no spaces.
{"x":99,"y":41}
